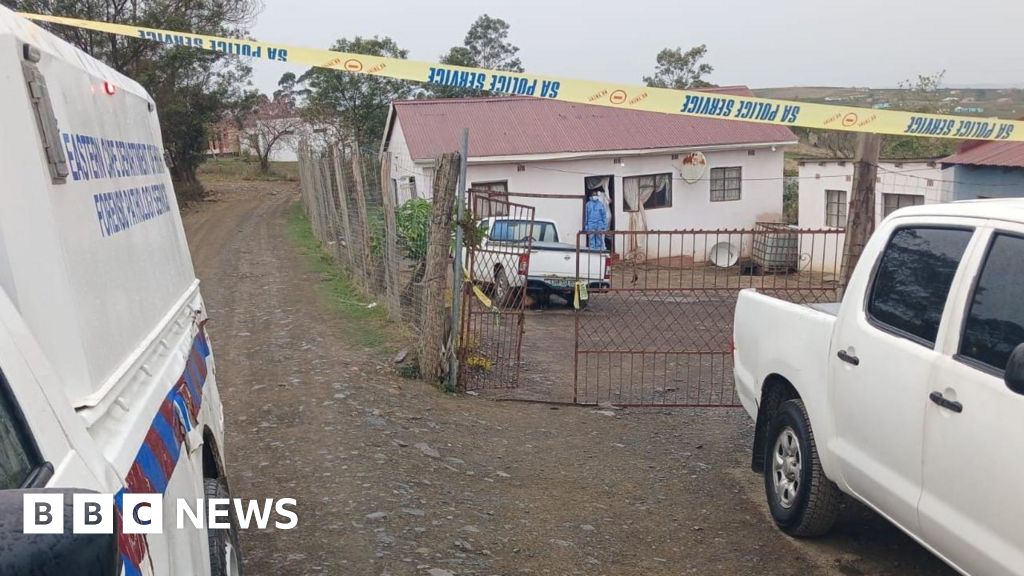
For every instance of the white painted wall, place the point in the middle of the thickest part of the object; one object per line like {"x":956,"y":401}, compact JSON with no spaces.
{"x":914,"y":178}
{"x":403,"y":168}
{"x":761,"y":196}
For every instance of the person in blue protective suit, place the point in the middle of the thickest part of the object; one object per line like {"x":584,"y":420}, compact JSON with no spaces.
{"x":595,"y":220}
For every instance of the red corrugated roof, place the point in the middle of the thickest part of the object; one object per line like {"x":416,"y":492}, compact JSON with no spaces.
{"x":511,"y":126}
{"x":1008,"y":154}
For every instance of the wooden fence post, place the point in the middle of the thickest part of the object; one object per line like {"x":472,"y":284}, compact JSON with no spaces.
{"x":435,"y":279}
{"x":345,"y":229}
{"x":391,"y":258}
{"x":365,"y":259}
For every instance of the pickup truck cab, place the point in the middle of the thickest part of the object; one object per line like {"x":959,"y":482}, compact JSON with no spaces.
{"x":548,"y":267}
{"x":907,"y":396}
{"x":107,"y":377}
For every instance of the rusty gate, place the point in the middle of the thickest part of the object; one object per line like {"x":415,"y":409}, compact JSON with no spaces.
{"x":496,"y":263}
{"x":658,"y":331}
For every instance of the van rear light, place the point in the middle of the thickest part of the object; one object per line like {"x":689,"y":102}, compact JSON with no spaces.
{"x":607,"y":268}
{"x":524,"y":264}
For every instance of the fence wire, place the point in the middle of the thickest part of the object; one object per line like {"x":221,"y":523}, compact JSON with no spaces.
{"x":660,"y":333}
{"x":360,"y":209}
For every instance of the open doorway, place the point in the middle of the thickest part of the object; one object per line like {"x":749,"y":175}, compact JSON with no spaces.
{"x":605,"y":188}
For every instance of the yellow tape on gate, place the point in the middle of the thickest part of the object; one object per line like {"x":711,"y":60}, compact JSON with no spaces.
{"x":686,"y":102}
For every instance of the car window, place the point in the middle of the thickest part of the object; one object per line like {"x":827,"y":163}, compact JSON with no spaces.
{"x":913,"y":280}
{"x":17,"y":453}
{"x":516,"y":230}
{"x":995,"y":319}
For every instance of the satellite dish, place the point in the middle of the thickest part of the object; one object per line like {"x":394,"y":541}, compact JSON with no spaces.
{"x":724,"y":255}
{"x":692,"y":167}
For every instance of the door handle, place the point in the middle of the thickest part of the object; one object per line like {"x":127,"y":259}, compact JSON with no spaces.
{"x":952,"y":405}
{"x":848,"y":358}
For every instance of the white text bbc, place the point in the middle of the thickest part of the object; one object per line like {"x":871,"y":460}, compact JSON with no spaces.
{"x":144,"y":513}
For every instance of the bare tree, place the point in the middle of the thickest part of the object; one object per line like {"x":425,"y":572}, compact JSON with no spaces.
{"x":268,"y":125}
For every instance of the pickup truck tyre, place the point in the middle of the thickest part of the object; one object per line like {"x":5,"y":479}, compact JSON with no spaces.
{"x":225,"y":552}
{"x":803,"y":502}
{"x":503,"y":293}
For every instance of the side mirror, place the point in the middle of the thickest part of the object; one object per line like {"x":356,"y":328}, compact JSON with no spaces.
{"x":1014,"y":375}
{"x":52,"y":554}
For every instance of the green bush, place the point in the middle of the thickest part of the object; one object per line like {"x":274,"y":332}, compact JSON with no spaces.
{"x":413,"y":222}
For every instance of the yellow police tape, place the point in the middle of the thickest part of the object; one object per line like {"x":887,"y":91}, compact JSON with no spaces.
{"x":686,"y":102}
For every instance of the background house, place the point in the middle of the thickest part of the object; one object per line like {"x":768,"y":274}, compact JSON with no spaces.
{"x":826,"y":184}
{"x":224,"y":138}
{"x":556,"y":151}
{"x":985,"y":170}
{"x":825,"y":192}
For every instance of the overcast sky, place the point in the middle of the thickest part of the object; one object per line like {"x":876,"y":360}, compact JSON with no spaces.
{"x":760,"y":43}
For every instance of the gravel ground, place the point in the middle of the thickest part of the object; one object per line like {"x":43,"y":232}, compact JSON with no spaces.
{"x":395,"y":478}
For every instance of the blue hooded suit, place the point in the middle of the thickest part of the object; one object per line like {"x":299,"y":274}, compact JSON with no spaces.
{"x":596,"y":220}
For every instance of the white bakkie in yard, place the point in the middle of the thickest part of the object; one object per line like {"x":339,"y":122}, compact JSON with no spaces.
{"x":106,"y":375}
{"x":909,"y":395}
{"x":549,"y":267}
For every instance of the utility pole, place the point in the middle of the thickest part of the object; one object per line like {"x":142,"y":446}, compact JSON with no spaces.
{"x":861,"y":213}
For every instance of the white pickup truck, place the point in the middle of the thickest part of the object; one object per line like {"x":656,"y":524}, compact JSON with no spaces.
{"x":107,"y":377}
{"x":909,"y":395}
{"x":549,"y":267}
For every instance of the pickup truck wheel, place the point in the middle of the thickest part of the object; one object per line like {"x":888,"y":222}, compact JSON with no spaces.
{"x":803,"y":502}
{"x":225,"y":552}
{"x":503,"y":295}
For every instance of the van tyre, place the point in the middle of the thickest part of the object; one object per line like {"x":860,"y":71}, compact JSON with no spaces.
{"x":225,"y":552}
{"x":803,"y":502}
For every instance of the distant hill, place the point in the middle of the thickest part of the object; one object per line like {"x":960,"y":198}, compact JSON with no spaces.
{"x":975,"y":101}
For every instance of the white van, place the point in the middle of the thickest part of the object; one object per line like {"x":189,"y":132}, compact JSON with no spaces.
{"x":106,"y":374}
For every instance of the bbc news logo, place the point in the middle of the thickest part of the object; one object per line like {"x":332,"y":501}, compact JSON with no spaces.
{"x":144,"y":513}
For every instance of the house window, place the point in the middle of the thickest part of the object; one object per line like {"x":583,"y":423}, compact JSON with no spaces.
{"x":491,"y":198}
{"x":653,"y":191}
{"x":893,"y":202}
{"x":726,"y":184}
{"x":835,"y":208}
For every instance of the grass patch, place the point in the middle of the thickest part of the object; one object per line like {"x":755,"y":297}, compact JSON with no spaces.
{"x":367,"y":327}
{"x":235,"y":168}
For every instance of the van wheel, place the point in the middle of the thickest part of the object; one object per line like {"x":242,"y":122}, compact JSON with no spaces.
{"x":803,"y":502}
{"x":225,"y":553}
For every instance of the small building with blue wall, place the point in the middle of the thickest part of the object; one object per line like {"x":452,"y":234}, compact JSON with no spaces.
{"x":985,"y":170}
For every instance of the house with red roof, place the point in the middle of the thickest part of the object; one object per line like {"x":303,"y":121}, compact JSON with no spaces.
{"x":985,"y":169}
{"x":654,"y":171}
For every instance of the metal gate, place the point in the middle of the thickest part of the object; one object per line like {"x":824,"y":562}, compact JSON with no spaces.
{"x":661,"y":333}
{"x":496,"y":262}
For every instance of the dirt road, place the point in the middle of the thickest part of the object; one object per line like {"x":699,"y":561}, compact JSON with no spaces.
{"x":393,"y":477}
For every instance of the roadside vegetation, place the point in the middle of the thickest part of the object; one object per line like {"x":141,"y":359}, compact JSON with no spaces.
{"x":235,"y":168}
{"x":367,"y":324}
